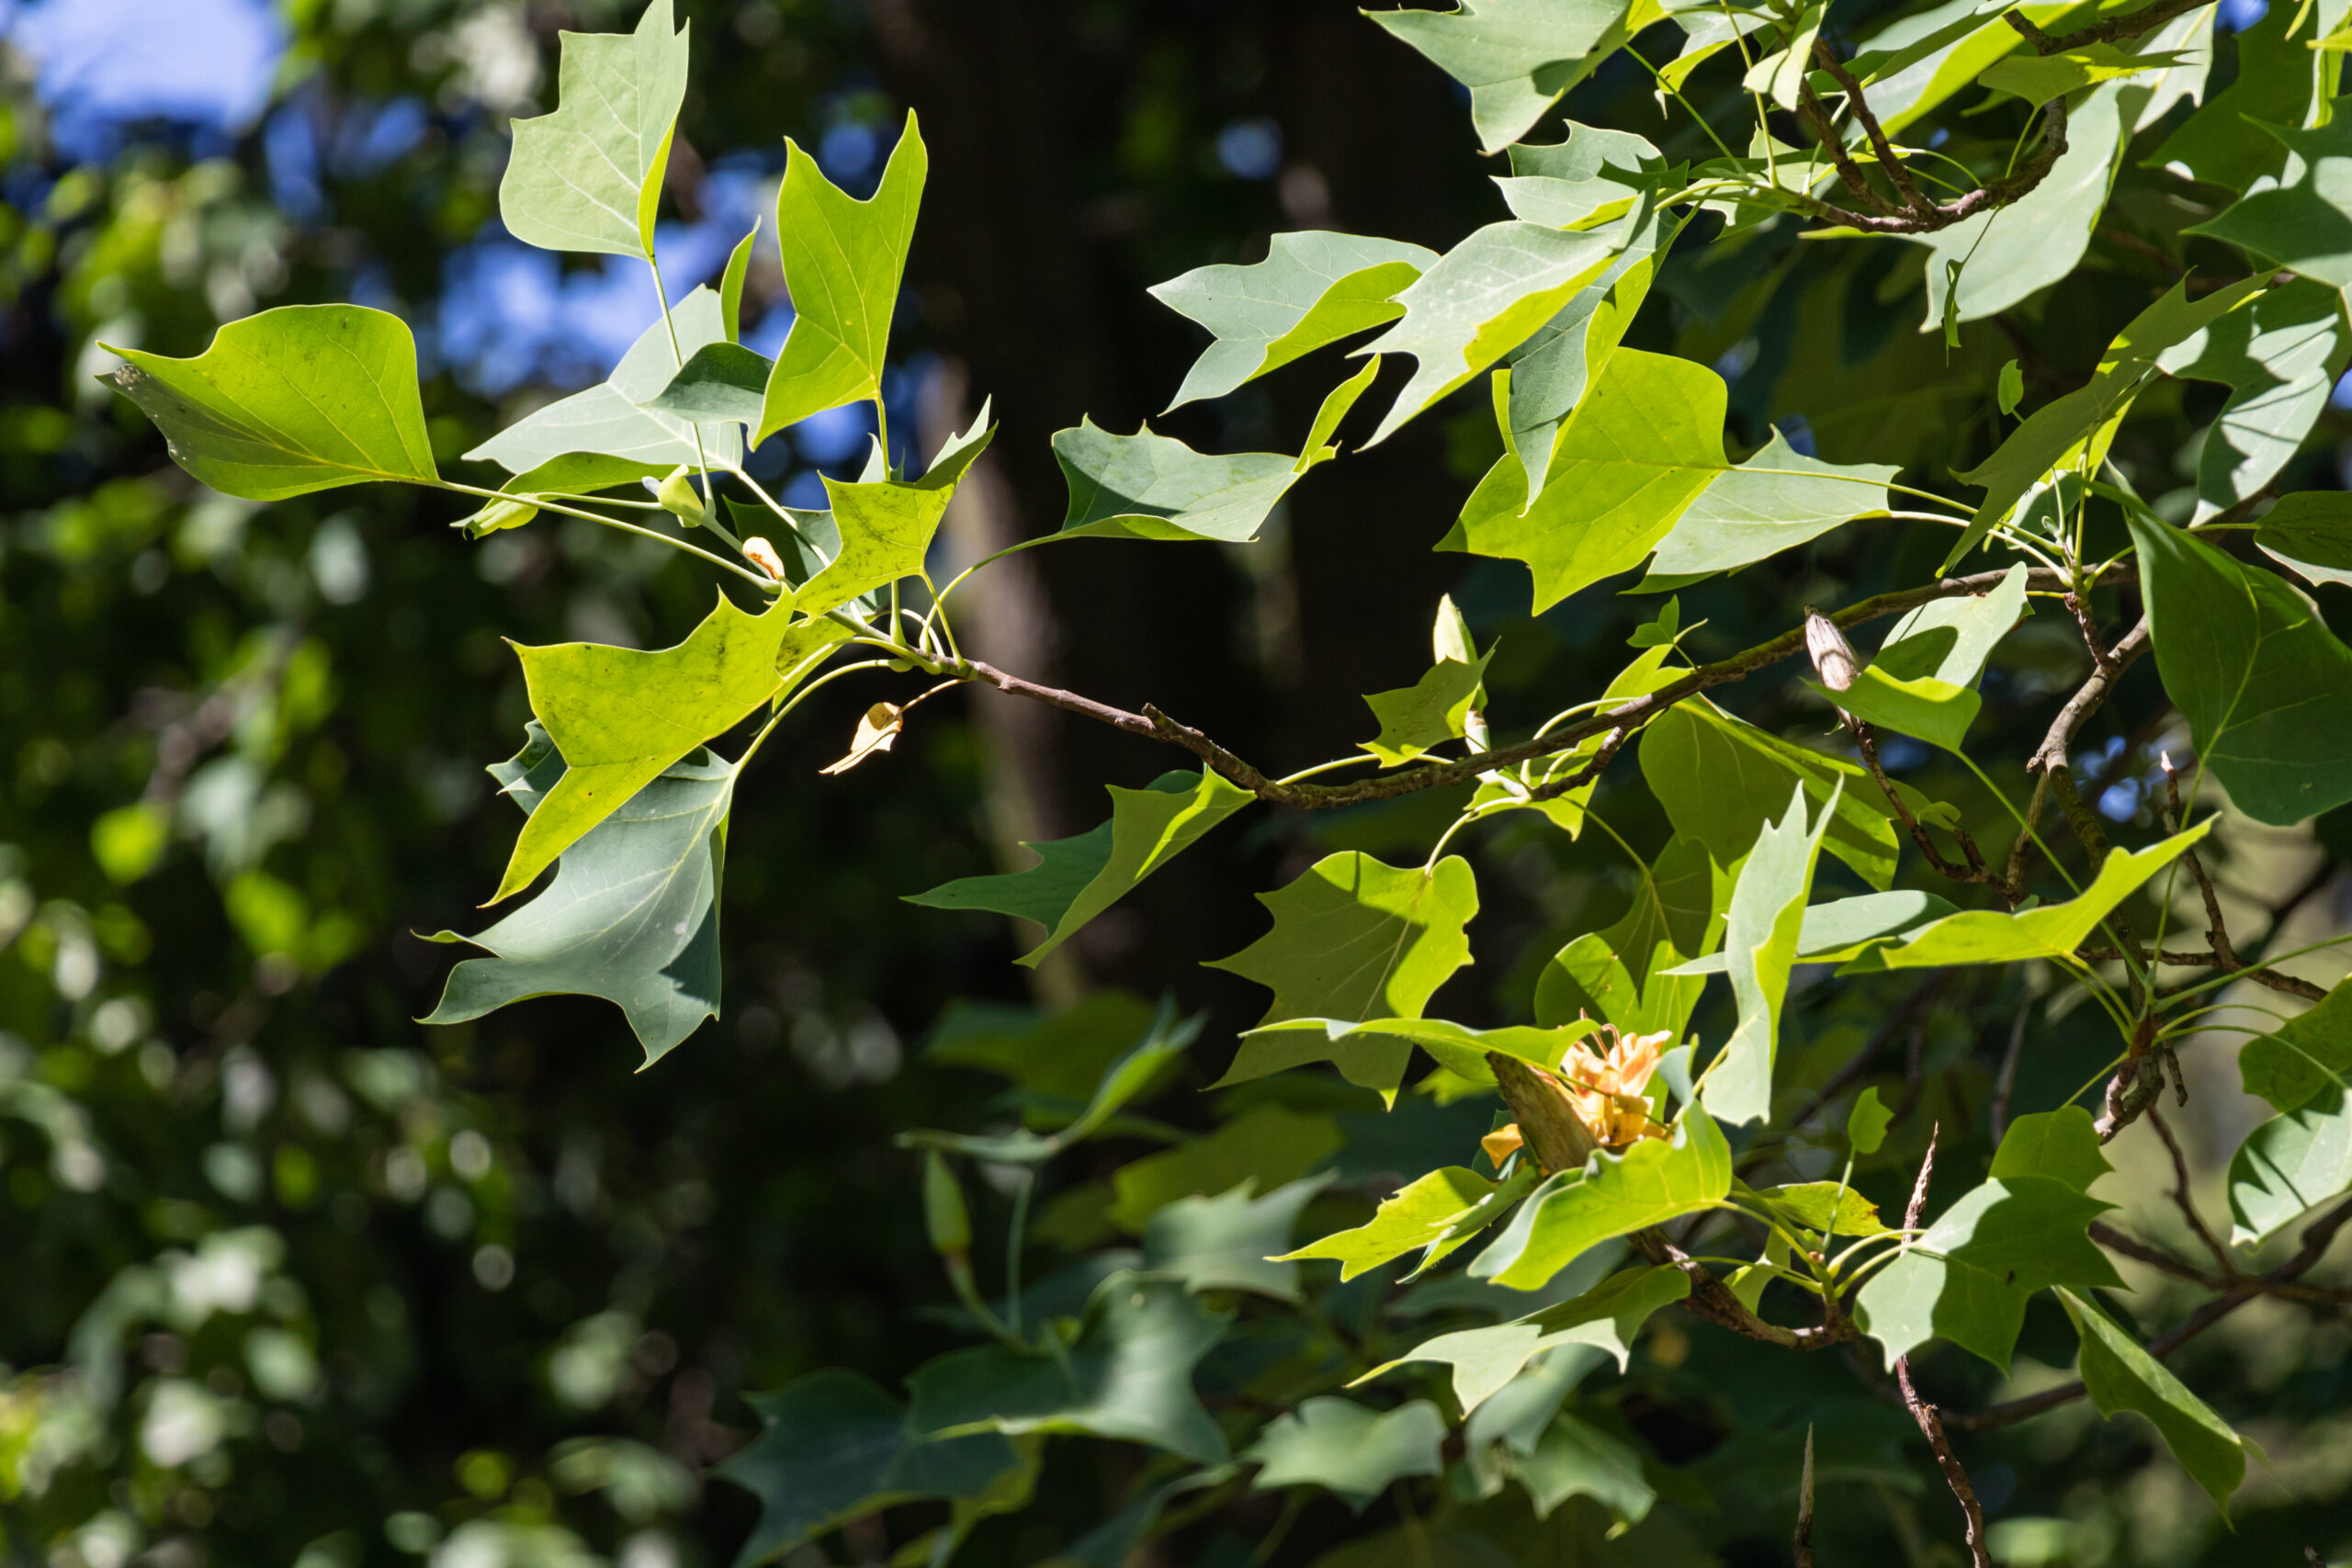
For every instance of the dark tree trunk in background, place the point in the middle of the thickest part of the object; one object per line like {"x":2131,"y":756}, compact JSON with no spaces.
{"x":1030,"y":265}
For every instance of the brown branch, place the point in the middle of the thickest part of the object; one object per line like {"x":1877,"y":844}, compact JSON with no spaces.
{"x":2316,"y":1239}
{"x":2052,"y":752}
{"x":1929,"y":1419}
{"x":2154,"y":1257}
{"x":1866,"y":742}
{"x":2114,"y":29}
{"x":1943,"y":215}
{"x":1153,"y":724}
{"x":1800,"y":1545}
{"x":2185,"y":1204}
{"x":1896,"y":168}
{"x":2216,"y":930}
{"x":2005,"y":1084}
{"x":1849,"y":174}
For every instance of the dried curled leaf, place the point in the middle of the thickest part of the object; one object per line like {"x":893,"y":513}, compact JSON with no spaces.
{"x":1832,"y":655}
{"x":762,"y":554}
{"x":876,"y":730}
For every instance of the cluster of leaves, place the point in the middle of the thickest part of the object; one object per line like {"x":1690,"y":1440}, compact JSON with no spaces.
{"x":1612,"y":459}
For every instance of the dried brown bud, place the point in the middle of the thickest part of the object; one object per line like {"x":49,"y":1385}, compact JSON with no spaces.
{"x":1832,"y":655}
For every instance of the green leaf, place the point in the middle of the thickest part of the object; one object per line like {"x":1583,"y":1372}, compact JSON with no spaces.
{"x":1776,"y":501}
{"x":2038,"y":78}
{"x":608,"y":419}
{"x":2302,"y":1055}
{"x":2062,"y":1144}
{"x":1127,"y":1376}
{"x":1514,"y":789}
{"x":1434,"y":709}
{"x":1721,"y":778}
{"x":2311,"y":530}
{"x":2281,"y":358}
{"x":1866,"y":1124}
{"x":718,"y":381}
{"x":620,"y":715}
{"x":1355,"y":939}
{"x":2073,"y":431}
{"x":1950,"y":639}
{"x":2255,"y":670}
{"x":582,"y":473}
{"x":1844,"y":928}
{"x":1576,"y":1459}
{"x":1154,"y":487}
{"x":1550,"y":371}
{"x":1660,"y":631}
{"x":1419,"y":1214}
{"x":588,"y":176}
{"x":1933,"y":710}
{"x":2224,"y":144}
{"x":1760,"y":948}
{"x":885,"y":525}
{"x":1597,"y":175}
{"x":1078,"y":878}
{"x":2052,"y":931}
{"x":1517,"y":57}
{"x":1655,"y":1181}
{"x":2290,"y":1164}
{"x":1607,"y":1317}
{"x":1782,"y":76}
{"x":1815,"y":1204}
{"x":525,"y":777}
{"x":2014,"y":250}
{"x":1623,"y":975}
{"x":842,"y":261}
{"x":2120,"y":1375}
{"x":1966,"y":1279}
{"x":1313,"y":288}
{"x":1267,"y":1143}
{"x":834,"y":1448}
{"x":1372,"y":1052}
{"x":1114,"y":1541}
{"x":1227,"y":1242}
{"x":632,"y":915}
{"x":1635,"y":452}
{"x":298,"y":399}
{"x":731,"y":284}
{"x":1136,"y":1070}
{"x":2011,"y":390}
{"x":1485,"y":297}
{"x":2303,"y":221}
{"x":1339,"y":1445}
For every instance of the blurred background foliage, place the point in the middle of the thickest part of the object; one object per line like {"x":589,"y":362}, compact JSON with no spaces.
{"x":292,"y":1281}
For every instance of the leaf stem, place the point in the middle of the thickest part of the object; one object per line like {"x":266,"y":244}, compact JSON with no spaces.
{"x":767,"y":583}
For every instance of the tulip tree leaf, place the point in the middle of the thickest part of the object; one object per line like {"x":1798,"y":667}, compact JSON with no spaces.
{"x":1483,"y":298}
{"x":1831,"y":1208}
{"x":1760,"y":948}
{"x":2311,"y":530}
{"x":1846,"y":927}
{"x":1354,"y":939}
{"x":2038,"y":78}
{"x":1573,"y":1458}
{"x":1515,"y":789}
{"x":1655,"y":1180}
{"x":620,"y":715}
{"x":1721,"y":778}
{"x":1427,"y":713}
{"x":1228,"y":1242}
{"x":2120,"y":1374}
{"x":1517,"y":56}
{"x":842,"y":262}
{"x":2062,"y":1144}
{"x":1313,"y":288}
{"x":588,"y":176}
{"x":1418,"y":1214}
{"x":2227,"y":144}
{"x":1078,"y":878}
{"x":1950,"y":639}
{"x":1607,"y":1317}
{"x":1266,"y":1145}
{"x":1597,"y":175}
{"x":2281,"y":358}
{"x":609,"y":420}
{"x":885,"y":525}
{"x":1643,"y":442}
{"x":632,"y":915}
{"x":582,"y":473}
{"x":1776,"y":501}
{"x":835,"y":1447}
{"x":1628,"y":974}
{"x":718,"y":381}
{"x":2073,"y":431}
{"x":2052,"y":930}
{"x":1934,"y":710}
{"x":2302,"y":1055}
{"x":2303,"y":221}
{"x":1372,"y":1051}
{"x":2298,"y":1159}
{"x":1126,"y":1376}
{"x":1967,"y":1278}
{"x":2256,"y":672}
{"x":302,"y":398}
{"x":1346,"y":1448}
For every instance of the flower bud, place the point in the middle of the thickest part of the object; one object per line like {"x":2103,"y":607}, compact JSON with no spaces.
{"x":680,"y":499}
{"x":943,"y":1208}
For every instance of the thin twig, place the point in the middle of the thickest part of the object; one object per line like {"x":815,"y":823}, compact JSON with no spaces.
{"x":2005,"y":1084}
{"x":1896,"y":171}
{"x":2156,"y":1257}
{"x":2185,"y":1204}
{"x":1800,"y":1547}
{"x":1929,"y":1419}
{"x":1866,"y":742}
{"x":2052,"y":752}
{"x":2216,"y":928}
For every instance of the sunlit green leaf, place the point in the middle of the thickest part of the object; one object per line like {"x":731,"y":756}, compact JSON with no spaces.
{"x":1355,"y":939}
{"x":1372,"y":1052}
{"x":1950,"y":639}
{"x":1517,"y":56}
{"x":2120,"y":1375}
{"x":1814,"y":1205}
{"x":835,"y":1447}
{"x":1417,"y":1215}
{"x":588,"y":176}
{"x":1843,"y":928}
{"x":1608,"y":1316}
{"x":2255,"y":670}
{"x":2311,"y":530}
{"x":842,"y":261}
{"x":2038,"y":78}
{"x":1967,"y":1278}
{"x":1866,"y":1125}
{"x":1655,"y":1180}
{"x":2281,"y":358}
{"x":1313,"y":288}
{"x":1759,"y":948}
{"x":1576,"y":1459}
{"x":718,"y":381}
{"x":2062,"y":1144}
{"x":2225,"y":146}
{"x":1516,"y":789}
{"x":885,"y":525}
{"x":2302,"y":1055}
{"x":295,"y":400}
{"x":1127,"y":1376}
{"x":1621,"y":973}
{"x":2290,"y":1164}
{"x":1433,"y":709}
{"x":1776,"y":500}
{"x":1078,"y":878}
{"x":1339,"y":1445}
